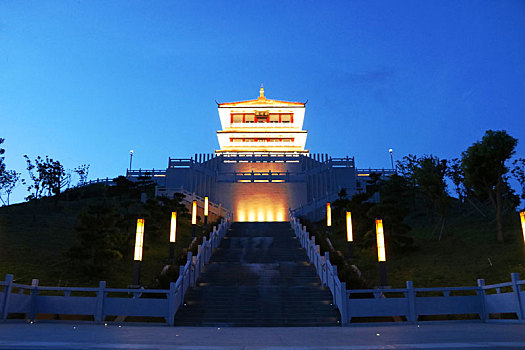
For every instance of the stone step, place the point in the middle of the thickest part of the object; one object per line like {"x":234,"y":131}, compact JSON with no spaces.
{"x":259,"y":276}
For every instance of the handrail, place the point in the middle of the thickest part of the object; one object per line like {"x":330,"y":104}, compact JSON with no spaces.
{"x":99,"y":305}
{"x":326,"y":271}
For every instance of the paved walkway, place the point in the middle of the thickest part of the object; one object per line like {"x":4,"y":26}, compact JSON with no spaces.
{"x":425,"y":336}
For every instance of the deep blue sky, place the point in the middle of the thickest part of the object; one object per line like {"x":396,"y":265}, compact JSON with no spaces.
{"x":86,"y":81}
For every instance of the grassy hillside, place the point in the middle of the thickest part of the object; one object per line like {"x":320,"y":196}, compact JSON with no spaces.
{"x":35,"y":236}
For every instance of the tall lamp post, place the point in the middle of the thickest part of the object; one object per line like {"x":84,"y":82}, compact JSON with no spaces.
{"x":391,"y":157}
{"x":130,"y":159}
{"x":381,"y":254}
{"x":328,"y":219}
{"x":193,"y":218}
{"x":349,"y":235}
{"x":205,"y":210}
{"x":522,"y":217}
{"x":137,"y":258}
{"x":173,"y":236}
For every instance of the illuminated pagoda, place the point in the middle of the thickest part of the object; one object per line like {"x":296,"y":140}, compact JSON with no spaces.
{"x":262,"y":169}
{"x":262,"y":126}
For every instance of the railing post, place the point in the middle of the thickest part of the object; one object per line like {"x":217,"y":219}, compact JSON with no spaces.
{"x":516,"y":289}
{"x":411,"y":298}
{"x":171,"y":305}
{"x":7,"y":293}
{"x":182,"y":288}
{"x":101,"y":294}
{"x":334,"y":289}
{"x":325,"y":267}
{"x":482,"y":302}
{"x":190,"y":269}
{"x":344,"y":305}
{"x":205,"y":248}
{"x":34,"y":299}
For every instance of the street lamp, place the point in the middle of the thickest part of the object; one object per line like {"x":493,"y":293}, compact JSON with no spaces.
{"x":139,"y":241}
{"x":349,"y":235}
{"x":522,"y":217}
{"x":173,"y":236}
{"x":328,"y":218}
{"x":391,"y":157}
{"x":381,"y":254}
{"x":130,"y":158}
{"x":205,"y":210}
{"x":193,"y":217}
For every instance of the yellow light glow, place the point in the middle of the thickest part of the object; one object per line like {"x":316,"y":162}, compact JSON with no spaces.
{"x":522,"y":216}
{"x":381,"y":254}
{"x":280,"y":215}
{"x":328,"y":215}
{"x":205,"y":206}
{"x":251,"y":215}
{"x":269,"y":215}
{"x":173,"y":227}
{"x":349,"y":233}
{"x":194,"y":213}
{"x":139,"y":239}
{"x":260,"y":215}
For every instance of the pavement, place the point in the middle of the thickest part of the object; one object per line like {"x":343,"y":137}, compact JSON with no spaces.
{"x":40,"y":335}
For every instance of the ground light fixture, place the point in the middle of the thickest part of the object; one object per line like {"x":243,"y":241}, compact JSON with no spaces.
{"x":328,"y":219}
{"x":381,"y":254}
{"x":522,"y":217}
{"x":206,"y":210}
{"x":349,"y":235}
{"x":173,"y":235}
{"x":328,"y":215}
{"x":193,"y":217}
{"x":139,"y":243}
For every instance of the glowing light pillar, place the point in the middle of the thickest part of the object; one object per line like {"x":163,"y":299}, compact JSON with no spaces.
{"x":349,"y":235}
{"x":328,"y":219}
{"x":381,"y":254}
{"x":205,"y":210}
{"x":173,"y":236}
{"x":139,"y":242}
{"x":193,"y":218}
{"x":522,"y":217}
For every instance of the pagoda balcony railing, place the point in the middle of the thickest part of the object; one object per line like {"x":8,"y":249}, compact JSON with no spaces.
{"x":261,"y":176}
{"x":383,"y":171}
{"x":146,"y":172}
{"x":272,"y":157}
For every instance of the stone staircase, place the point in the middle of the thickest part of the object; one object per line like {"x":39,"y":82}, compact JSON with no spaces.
{"x":259,"y":276}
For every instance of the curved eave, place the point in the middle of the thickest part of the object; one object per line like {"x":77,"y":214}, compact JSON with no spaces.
{"x":261,"y":103}
{"x":266,"y":131}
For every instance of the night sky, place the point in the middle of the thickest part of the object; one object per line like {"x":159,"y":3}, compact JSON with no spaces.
{"x":86,"y":81}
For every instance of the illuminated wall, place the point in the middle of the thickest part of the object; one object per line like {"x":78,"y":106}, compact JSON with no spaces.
{"x":262,"y":201}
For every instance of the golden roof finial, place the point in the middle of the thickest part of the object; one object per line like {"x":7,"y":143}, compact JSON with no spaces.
{"x":261,"y":93}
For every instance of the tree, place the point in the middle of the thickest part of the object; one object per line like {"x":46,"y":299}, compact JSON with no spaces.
{"x":456,"y":175}
{"x":485,"y":171}
{"x":100,"y":240}
{"x":406,"y":168}
{"x":9,"y":180}
{"x":429,"y":175}
{"x":47,"y":175}
{"x":2,"y":151}
{"x":518,"y":171}
{"x":82,"y":171}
